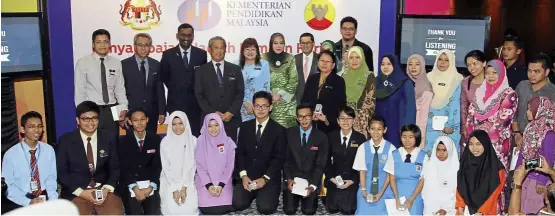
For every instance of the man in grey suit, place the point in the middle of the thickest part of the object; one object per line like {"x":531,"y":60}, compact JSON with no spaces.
{"x":143,"y":85}
{"x":219,"y":87}
{"x":307,"y":62}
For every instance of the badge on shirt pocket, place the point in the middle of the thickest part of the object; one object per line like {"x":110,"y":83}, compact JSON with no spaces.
{"x":353,"y":144}
{"x":221,"y":148}
{"x":103,"y":153}
{"x":314,"y":148}
{"x":383,"y":159}
{"x":112,"y":72}
{"x":418,"y":167}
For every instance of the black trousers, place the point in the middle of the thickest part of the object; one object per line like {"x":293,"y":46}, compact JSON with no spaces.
{"x":106,"y":121}
{"x":216,"y":210}
{"x":309,"y":205}
{"x":149,"y":206}
{"x":343,"y":201}
{"x":267,"y":198}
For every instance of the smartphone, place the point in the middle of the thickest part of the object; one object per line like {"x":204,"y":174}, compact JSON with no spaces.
{"x":99,"y":195}
{"x":370,"y":198}
{"x":339,"y":180}
{"x":533,"y":163}
{"x":252,"y":186}
{"x":318,"y":109}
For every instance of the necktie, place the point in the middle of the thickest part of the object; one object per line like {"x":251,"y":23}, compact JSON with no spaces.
{"x":304,"y":140}
{"x":305,"y":68}
{"x":219,"y":74}
{"x":185,"y":59}
{"x":143,"y":71}
{"x":141,"y":142}
{"x":407,"y":160}
{"x":345,"y":142}
{"x":90,"y":160}
{"x":375,"y":167}
{"x":258,"y":132}
{"x":105,"y":97}
{"x":35,"y":170}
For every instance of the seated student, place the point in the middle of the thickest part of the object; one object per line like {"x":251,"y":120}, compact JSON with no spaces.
{"x":139,"y":153}
{"x":516,"y":196}
{"x":306,"y":157}
{"x":29,"y":167}
{"x":440,"y":178}
{"x":481,"y":177}
{"x":343,"y":146}
{"x":177,"y":152}
{"x":370,"y":160}
{"x":87,"y":160}
{"x":215,"y":160}
{"x":405,"y":168}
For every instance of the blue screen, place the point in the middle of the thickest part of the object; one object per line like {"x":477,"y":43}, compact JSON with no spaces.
{"x":21,"y":44}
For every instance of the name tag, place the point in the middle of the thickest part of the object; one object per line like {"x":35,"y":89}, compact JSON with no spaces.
{"x":34,"y":185}
{"x":221,"y":148}
{"x":441,"y":84}
{"x":257,"y":68}
{"x":151,"y":151}
{"x":353,"y":145}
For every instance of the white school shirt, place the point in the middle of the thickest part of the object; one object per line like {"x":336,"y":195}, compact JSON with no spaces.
{"x":360,"y":158}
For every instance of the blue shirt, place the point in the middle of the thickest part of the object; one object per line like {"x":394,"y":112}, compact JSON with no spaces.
{"x":307,"y":133}
{"x":16,"y":170}
{"x":152,"y":184}
{"x":139,"y":60}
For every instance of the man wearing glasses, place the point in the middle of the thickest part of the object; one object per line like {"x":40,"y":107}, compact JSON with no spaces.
{"x":88,"y":167}
{"x":259,"y":158}
{"x":307,"y":62}
{"x":349,"y":27}
{"x":143,"y":85}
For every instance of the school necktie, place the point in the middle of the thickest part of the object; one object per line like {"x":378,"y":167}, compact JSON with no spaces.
{"x":90,"y":160}
{"x":35,"y":170}
{"x":141,"y":143}
{"x":375,"y":167}
{"x":304,"y":140}
{"x":407,"y":160}
{"x":305,"y":68}
{"x":220,"y":76}
{"x":344,"y":145}
{"x":143,"y":71}
{"x":103,"y":77}
{"x":258,"y":133}
{"x":185,"y":59}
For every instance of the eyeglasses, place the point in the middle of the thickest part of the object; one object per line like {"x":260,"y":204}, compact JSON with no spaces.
{"x":325,"y":62}
{"x":349,"y":119}
{"x":35,"y":127}
{"x":142,"y":45}
{"x":259,"y":107}
{"x":307,"y":43}
{"x":301,"y":118}
{"x":87,"y":120}
{"x":348,"y":29}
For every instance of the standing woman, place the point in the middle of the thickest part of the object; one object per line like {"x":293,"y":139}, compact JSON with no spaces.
{"x":440,"y":178}
{"x":215,"y":159}
{"x":416,"y":70}
{"x":395,"y":99}
{"x":480,"y":178}
{"x":327,"y":89}
{"x":283,"y":81}
{"x":476,"y":65}
{"x":360,"y":85}
{"x":446,"y":84}
{"x":256,"y":75}
{"x":177,"y":152}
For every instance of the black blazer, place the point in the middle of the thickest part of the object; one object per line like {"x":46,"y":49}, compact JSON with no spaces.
{"x":365,"y":48}
{"x":342,"y":159}
{"x":73,"y":167}
{"x":139,"y":165}
{"x":150,"y":96}
{"x":332,"y":97}
{"x":300,"y":73}
{"x":265,"y":157}
{"x":180,"y":80}
{"x":309,"y":161}
{"x":228,"y":98}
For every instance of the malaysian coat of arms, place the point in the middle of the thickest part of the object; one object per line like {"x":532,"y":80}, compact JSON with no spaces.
{"x":140,"y":14}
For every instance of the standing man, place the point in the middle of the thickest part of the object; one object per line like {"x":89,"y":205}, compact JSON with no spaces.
{"x":307,"y":62}
{"x":98,"y":78}
{"x":140,"y":163}
{"x":348,"y":30}
{"x":259,"y":158}
{"x":219,"y":87}
{"x":516,"y":72}
{"x":88,"y":166}
{"x":178,"y":67}
{"x":26,"y":180}
{"x":306,"y":157}
{"x":143,"y":85}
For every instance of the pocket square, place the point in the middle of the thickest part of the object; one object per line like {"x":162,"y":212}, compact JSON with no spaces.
{"x":151,"y":151}
{"x":314,"y":148}
{"x":329,"y":87}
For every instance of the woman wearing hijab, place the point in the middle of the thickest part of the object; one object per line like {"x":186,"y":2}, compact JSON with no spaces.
{"x":177,"y":151}
{"x":330,"y":45}
{"x":480,"y":178}
{"x":539,"y":140}
{"x":360,"y":83}
{"x":445,"y":106}
{"x":283,"y":81}
{"x":215,"y":160}
{"x":394,"y":98}
{"x":416,"y":70}
{"x":256,"y":75}
{"x":476,"y":65}
{"x":440,"y":178}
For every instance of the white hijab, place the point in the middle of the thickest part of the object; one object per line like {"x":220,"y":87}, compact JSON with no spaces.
{"x":177,"y":154}
{"x":436,"y":194}
{"x":444,"y":83}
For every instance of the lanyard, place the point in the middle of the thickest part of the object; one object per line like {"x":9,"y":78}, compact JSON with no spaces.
{"x":28,"y":160}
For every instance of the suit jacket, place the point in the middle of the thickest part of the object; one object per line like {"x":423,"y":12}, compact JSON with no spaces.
{"x":139,"y":165}
{"x":313,"y":69}
{"x":73,"y":167}
{"x":180,"y":80}
{"x":367,"y":52}
{"x":261,"y":158}
{"x":332,"y":97}
{"x":228,"y":98}
{"x":150,"y":96}
{"x":309,"y":161}
{"x":342,"y":159}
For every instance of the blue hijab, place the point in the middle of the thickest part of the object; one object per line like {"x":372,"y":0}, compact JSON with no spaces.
{"x":387,"y":85}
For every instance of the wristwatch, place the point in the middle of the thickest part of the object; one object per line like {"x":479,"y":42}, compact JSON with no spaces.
{"x":515,"y":186}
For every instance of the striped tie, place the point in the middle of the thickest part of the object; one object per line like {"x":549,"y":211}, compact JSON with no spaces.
{"x":35,"y":171}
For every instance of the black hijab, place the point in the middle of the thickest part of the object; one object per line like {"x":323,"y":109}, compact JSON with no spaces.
{"x":478,"y":177}
{"x":273,"y":57}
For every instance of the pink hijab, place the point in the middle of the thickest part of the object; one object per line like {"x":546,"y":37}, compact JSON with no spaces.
{"x":487,"y":95}
{"x":543,"y":111}
{"x":421,"y":83}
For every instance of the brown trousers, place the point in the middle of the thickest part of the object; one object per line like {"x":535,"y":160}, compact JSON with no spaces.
{"x":112,"y":206}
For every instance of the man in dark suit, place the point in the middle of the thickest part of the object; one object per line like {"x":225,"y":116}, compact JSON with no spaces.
{"x":306,"y":157}
{"x":259,"y":158}
{"x":87,"y":161}
{"x":139,"y":153}
{"x":349,"y":27}
{"x":307,"y":62}
{"x":177,"y":69}
{"x":219,"y":87}
{"x":143,"y":86}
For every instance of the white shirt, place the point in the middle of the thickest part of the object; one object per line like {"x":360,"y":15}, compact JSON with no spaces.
{"x":309,"y":64}
{"x":221,"y":67}
{"x":264,"y":123}
{"x":360,"y":158}
{"x":188,"y":53}
{"x":390,"y":165}
{"x":94,"y":139}
{"x":348,"y":136}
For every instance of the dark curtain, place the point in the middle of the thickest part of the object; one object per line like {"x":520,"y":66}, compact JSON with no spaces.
{"x":10,"y":130}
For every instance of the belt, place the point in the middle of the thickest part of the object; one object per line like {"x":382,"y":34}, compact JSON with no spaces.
{"x":107,"y":106}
